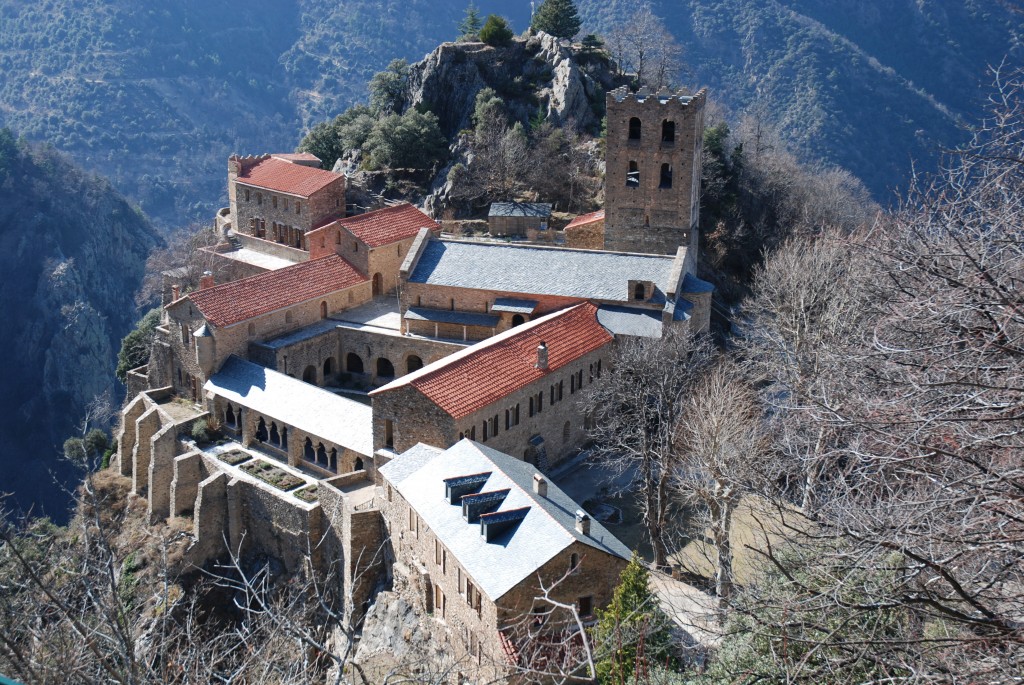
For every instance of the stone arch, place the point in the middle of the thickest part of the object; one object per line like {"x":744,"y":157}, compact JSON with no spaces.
{"x":230,"y":419}
{"x":633,"y":175}
{"x":261,"y":431}
{"x":666,"y":176}
{"x":323,"y":310}
{"x":359,"y":464}
{"x":308,"y":453}
{"x":309,"y":375}
{"x":518,"y":320}
{"x":321,"y":455}
{"x":284,"y":437}
{"x":413,"y":363}
{"x":275,"y":437}
{"x":635,"y":128}
{"x":328,"y":368}
{"x":385,"y":369}
{"x":668,"y":131}
{"x":332,"y":460}
{"x":353,"y":363}
{"x":378,"y":284}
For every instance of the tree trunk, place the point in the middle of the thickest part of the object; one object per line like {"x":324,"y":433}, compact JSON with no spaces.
{"x":721,"y":531}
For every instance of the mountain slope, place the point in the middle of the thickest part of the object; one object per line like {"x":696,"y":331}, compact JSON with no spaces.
{"x":72,"y":252}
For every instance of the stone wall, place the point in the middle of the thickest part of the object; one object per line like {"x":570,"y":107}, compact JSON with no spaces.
{"x":370,"y":347}
{"x":549,"y":435}
{"x":281,"y":217}
{"x":646,"y":216}
{"x":589,"y":236}
{"x":272,"y":248}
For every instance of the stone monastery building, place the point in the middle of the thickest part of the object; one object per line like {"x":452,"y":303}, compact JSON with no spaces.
{"x":393,"y":399}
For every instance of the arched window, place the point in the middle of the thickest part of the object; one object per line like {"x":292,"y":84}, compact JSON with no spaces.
{"x":328,"y":368}
{"x":323,"y":310}
{"x":321,"y":455}
{"x":275,"y":437}
{"x":634,"y":128}
{"x":309,"y":375}
{"x":638,"y":291}
{"x":332,"y":463}
{"x":261,"y":431}
{"x":633,"y":175}
{"x":666,"y":176}
{"x":517,"y":319}
{"x":284,"y":438}
{"x":359,"y":464}
{"x":385,"y":369}
{"x":668,"y":131}
{"x":307,"y":450}
{"x":353,"y":363}
{"x":389,"y":433}
{"x":413,"y":363}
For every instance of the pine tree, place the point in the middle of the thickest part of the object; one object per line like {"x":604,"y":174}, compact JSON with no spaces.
{"x":558,"y":18}
{"x":469,"y":27}
{"x":633,"y":629}
{"x":496,"y":31}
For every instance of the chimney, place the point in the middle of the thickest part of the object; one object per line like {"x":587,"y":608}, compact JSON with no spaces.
{"x":175,"y":292}
{"x":582,"y":522}
{"x":542,"y":356}
{"x":207,"y":280}
{"x":540,"y":485}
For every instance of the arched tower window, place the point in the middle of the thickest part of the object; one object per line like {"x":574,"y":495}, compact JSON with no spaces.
{"x":668,"y":131}
{"x":638,"y":291}
{"x":666,"y":176}
{"x":634,"y":128}
{"x":633,"y":175}
{"x":518,"y":320}
{"x":385,"y":369}
{"x":353,"y":363}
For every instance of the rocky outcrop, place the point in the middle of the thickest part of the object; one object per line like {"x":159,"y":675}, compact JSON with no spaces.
{"x":540,"y":73}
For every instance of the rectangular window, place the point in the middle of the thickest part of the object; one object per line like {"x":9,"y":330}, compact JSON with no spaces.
{"x":286,"y":203}
{"x":485,"y":431}
{"x":591,"y":374}
{"x":508,"y":419}
{"x":572,"y":384}
{"x":437,"y":552}
{"x":298,"y":208}
{"x":561,"y":386}
{"x":530,"y":410}
{"x":273,"y":201}
{"x":585,"y":606}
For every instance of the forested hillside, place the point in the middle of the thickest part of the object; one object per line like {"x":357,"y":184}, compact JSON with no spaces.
{"x":72,"y":252}
{"x":156,"y":98}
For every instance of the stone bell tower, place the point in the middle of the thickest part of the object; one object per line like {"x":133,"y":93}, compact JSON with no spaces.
{"x":652,"y":170}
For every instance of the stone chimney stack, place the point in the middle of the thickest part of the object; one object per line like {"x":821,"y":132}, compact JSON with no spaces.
{"x":582,"y":522}
{"x":542,"y":356}
{"x":207,"y":280}
{"x":175,"y":292}
{"x":540,"y":485}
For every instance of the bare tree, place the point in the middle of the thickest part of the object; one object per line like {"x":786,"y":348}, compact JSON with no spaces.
{"x":638,"y":410}
{"x":188,"y":250}
{"x":722,"y":459}
{"x":644,"y":47}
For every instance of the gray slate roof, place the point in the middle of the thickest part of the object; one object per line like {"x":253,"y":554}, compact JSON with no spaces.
{"x":311,"y":409}
{"x":538,"y":209}
{"x":692,"y":284}
{"x":508,"y":304}
{"x":451,"y":316}
{"x":583,"y":274}
{"x":628,"y":321}
{"x":497,"y":566}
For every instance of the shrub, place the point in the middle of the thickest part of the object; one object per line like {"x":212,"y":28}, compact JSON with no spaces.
{"x":201,"y":431}
{"x":496,"y":31}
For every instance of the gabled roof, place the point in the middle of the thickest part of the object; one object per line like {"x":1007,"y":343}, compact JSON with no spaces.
{"x":312,"y":410}
{"x":388,"y":225}
{"x":231,"y":303}
{"x":537,"y":209}
{"x":584,"y":219}
{"x":473,"y":378}
{"x":286,"y":177}
{"x":548,"y":527}
{"x":533,"y":270}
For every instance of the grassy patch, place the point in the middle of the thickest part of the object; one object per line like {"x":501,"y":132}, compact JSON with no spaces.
{"x":234,"y":457}
{"x":268,"y":473}
{"x":309,"y":494}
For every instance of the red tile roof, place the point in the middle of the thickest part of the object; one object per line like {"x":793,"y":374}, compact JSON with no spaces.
{"x":480,"y":375}
{"x":285,"y":177}
{"x":388,"y":225}
{"x":584,"y":219}
{"x":247,"y":298}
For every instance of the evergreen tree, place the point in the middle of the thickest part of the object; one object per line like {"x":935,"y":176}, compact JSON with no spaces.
{"x":469,"y":27}
{"x":558,"y":18}
{"x":135,"y":346}
{"x":632,"y":630}
{"x":496,"y":31}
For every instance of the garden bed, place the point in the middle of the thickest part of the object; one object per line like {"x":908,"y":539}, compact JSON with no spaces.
{"x":234,"y":457}
{"x":272,"y":475}
{"x":309,"y":494}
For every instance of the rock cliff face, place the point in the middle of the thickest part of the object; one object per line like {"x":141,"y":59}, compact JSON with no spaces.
{"x":72,"y":253}
{"x":539,"y":74}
